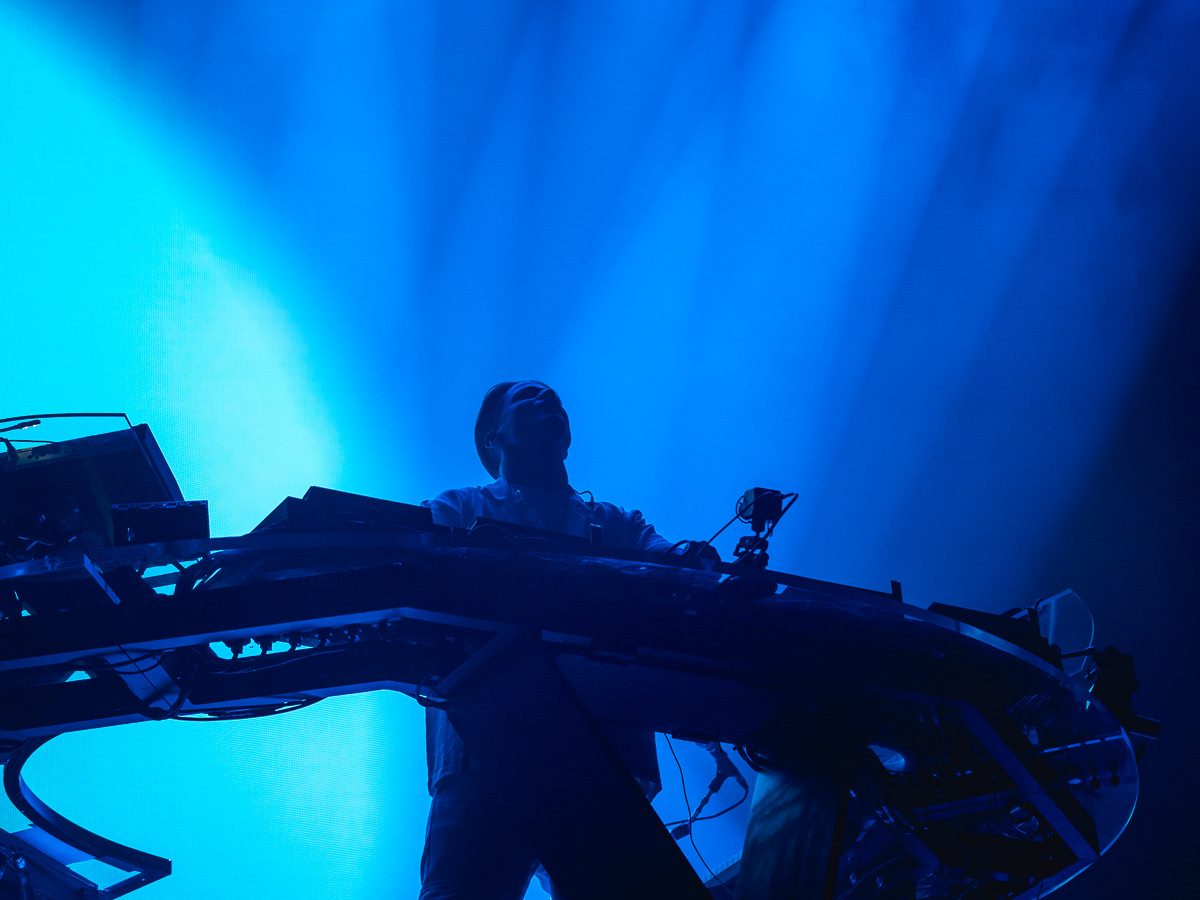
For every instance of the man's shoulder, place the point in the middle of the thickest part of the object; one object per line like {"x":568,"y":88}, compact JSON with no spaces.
{"x":613,"y":511}
{"x":460,"y":493}
{"x":459,"y":506}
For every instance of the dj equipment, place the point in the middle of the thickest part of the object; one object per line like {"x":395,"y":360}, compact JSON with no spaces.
{"x":916,"y":753}
{"x":62,"y":495}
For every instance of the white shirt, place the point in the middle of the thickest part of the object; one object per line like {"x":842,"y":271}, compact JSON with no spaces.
{"x":564,"y":511}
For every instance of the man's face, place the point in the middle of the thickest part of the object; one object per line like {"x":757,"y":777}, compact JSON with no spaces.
{"x":532,"y":418}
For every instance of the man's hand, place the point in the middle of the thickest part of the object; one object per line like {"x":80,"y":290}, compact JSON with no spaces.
{"x":696,"y":550}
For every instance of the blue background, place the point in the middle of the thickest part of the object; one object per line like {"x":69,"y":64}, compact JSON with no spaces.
{"x":931,"y":265}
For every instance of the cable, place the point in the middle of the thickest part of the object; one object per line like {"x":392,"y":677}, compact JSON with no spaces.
{"x":79,"y":415}
{"x":748,"y":754}
{"x":247,"y":712}
{"x":716,"y":815}
{"x":736,"y":516}
{"x":484,"y":526}
{"x":682,"y":781}
{"x":134,"y":671}
{"x":426,"y":702}
{"x":770,"y":531}
{"x":691,"y":838}
{"x":20,"y":425}
{"x":725,"y":770}
{"x":430,"y":702}
{"x":170,"y":712}
{"x":252,"y":664}
{"x":740,"y":505}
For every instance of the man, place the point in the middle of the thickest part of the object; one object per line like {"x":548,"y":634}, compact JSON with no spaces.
{"x":522,"y":434}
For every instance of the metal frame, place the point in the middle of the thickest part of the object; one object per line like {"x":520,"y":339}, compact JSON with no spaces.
{"x":146,"y":867}
{"x":711,"y":651}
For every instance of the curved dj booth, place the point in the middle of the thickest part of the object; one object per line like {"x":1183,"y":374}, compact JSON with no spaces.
{"x":901,"y":752}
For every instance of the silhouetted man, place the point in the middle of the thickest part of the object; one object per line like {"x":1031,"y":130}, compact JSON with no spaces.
{"x":472,"y":849}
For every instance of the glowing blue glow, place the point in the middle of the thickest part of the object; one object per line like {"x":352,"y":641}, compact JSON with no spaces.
{"x":132,"y":279}
{"x":900,"y":258}
{"x":327,"y":793}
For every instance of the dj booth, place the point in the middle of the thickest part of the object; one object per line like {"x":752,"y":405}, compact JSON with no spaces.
{"x":901,"y":752}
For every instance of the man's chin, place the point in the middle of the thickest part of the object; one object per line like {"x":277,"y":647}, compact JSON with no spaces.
{"x":553,"y":428}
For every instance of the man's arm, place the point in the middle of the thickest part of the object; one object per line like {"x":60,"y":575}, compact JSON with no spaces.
{"x":452,"y":508}
{"x":643,"y":536}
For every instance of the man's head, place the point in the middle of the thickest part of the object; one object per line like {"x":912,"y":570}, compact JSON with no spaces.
{"x":523,"y":417}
